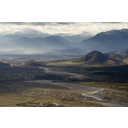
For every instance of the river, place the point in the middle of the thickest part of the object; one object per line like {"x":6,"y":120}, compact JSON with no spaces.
{"x":90,"y":92}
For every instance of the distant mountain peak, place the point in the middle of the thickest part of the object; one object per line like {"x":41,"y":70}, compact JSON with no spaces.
{"x":56,"y":38}
{"x":113,"y":40}
{"x":94,"y":52}
{"x":124,"y":29}
{"x":113,"y":32}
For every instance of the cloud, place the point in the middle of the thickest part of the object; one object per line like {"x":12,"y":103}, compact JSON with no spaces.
{"x":37,"y":23}
{"x":64,"y":28}
{"x":65,"y":23}
{"x":107,"y":22}
{"x":26,"y":23}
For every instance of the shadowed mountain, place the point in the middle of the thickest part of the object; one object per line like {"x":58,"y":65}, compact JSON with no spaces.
{"x":113,"y":40}
{"x":96,"y":57}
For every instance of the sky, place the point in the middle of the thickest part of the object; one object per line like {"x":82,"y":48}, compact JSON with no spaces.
{"x":61,"y":28}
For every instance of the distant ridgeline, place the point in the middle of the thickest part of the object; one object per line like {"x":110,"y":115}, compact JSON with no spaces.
{"x":2,"y":65}
{"x":117,"y":56}
{"x":125,"y":51}
{"x":113,"y":40}
{"x":96,"y":57}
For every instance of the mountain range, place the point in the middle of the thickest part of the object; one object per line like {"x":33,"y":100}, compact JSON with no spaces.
{"x":50,"y":42}
{"x":113,"y":40}
{"x":38,"y":42}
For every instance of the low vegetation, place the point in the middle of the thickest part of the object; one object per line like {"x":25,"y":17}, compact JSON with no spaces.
{"x":65,"y":63}
{"x":15,"y":90}
{"x":35,"y":63}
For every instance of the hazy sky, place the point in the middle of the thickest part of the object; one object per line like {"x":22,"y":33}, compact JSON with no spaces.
{"x":62,"y":28}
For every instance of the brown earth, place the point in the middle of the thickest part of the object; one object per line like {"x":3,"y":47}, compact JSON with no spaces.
{"x":96,"y":57}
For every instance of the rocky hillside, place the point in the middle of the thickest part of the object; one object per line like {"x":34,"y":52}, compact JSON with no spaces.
{"x":96,"y":57}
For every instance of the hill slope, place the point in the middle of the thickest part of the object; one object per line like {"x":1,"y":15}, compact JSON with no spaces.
{"x":2,"y":65}
{"x":96,"y":57}
{"x":125,"y":51}
{"x":117,"y":56}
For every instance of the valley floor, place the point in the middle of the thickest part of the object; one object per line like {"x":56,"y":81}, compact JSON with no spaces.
{"x":61,"y":93}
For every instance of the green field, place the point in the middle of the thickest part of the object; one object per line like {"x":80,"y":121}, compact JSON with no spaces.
{"x":65,"y":63}
{"x":70,"y":63}
{"x":8,"y":79}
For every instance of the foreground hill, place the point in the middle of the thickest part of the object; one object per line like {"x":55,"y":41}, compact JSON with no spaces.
{"x":114,"y":40}
{"x":2,"y":65}
{"x":96,"y":57}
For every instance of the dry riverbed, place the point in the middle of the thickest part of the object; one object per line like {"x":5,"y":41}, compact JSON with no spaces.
{"x":42,"y":93}
{"x":46,"y":93}
{"x":90,"y":94}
